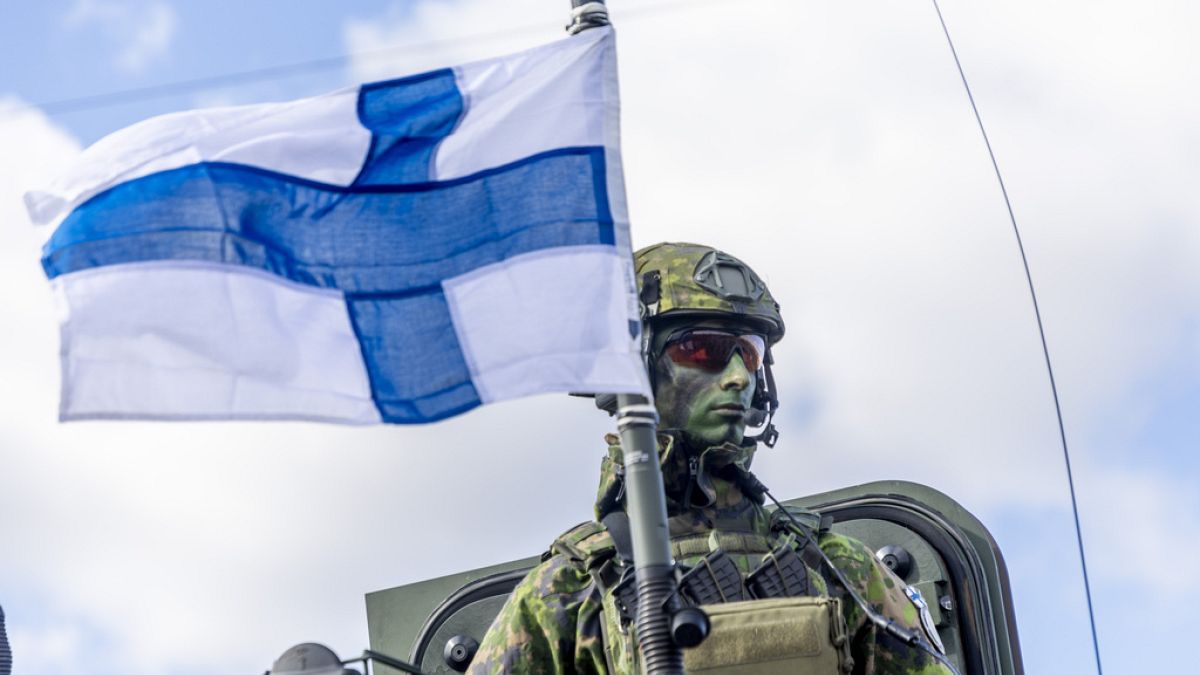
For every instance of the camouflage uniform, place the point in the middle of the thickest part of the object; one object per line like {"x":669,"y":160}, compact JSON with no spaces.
{"x":553,"y":622}
{"x":556,"y":619}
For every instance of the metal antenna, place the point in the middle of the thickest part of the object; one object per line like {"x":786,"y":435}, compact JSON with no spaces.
{"x":1087,"y":588}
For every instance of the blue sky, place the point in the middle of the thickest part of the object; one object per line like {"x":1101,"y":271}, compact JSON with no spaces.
{"x":833,"y":149}
{"x":85,"y":48}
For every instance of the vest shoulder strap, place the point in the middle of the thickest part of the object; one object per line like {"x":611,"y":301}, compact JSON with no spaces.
{"x":813,"y":521}
{"x":812,"y":525}
{"x":588,"y":543}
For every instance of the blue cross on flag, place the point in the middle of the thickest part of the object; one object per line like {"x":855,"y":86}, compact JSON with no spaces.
{"x":397,"y":252}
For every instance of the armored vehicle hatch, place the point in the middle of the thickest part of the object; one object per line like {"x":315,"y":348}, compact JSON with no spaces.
{"x":928,"y":539}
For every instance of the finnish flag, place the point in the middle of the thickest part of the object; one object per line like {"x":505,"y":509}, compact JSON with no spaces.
{"x":397,"y":252}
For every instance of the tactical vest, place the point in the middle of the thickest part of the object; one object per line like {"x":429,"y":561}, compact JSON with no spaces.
{"x":770,"y":610}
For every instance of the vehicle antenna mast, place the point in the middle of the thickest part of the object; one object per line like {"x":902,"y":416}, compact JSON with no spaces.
{"x":1037,"y":313}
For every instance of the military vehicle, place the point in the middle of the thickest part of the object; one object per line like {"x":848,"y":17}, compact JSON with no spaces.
{"x":927,"y":538}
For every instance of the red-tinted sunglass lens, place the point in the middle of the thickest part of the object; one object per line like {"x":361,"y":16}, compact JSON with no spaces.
{"x":711,"y":351}
{"x":701,"y":351}
{"x":752,"y":347}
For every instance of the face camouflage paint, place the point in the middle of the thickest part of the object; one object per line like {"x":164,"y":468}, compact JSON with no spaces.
{"x":709,"y":407}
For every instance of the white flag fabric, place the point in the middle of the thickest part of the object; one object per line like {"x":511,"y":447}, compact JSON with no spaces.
{"x":398,"y":252}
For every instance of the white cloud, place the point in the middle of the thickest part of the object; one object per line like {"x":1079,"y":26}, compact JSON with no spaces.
{"x":1157,"y":522}
{"x":142,"y":32}
{"x":150,"y":39}
{"x":58,"y":648}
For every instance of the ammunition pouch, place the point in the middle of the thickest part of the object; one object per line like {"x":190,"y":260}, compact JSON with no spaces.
{"x":801,"y":636}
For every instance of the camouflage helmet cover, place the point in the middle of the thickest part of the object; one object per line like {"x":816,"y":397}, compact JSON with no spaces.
{"x":689,"y":280}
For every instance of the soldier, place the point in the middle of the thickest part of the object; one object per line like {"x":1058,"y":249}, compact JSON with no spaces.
{"x":709,"y":325}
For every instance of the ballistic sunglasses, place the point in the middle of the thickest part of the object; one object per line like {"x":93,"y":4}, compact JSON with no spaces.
{"x":710,"y":350}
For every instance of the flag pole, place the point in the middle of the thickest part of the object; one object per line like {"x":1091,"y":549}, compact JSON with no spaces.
{"x":637,"y":421}
{"x":587,"y":14}
{"x":657,"y":588}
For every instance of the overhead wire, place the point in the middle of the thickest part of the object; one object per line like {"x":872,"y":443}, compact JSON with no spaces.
{"x":155,"y":91}
{"x":278,"y":72}
{"x":1041,"y":333}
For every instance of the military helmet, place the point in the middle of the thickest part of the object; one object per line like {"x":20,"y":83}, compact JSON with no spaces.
{"x":679,"y":280}
{"x":691,"y":282}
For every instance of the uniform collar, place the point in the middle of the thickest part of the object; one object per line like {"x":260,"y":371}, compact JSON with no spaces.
{"x":717,"y":477}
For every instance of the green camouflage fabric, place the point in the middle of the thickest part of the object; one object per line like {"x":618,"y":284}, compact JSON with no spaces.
{"x":554,"y":622}
{"x":712,"y":501}
{"x":679,"y":267}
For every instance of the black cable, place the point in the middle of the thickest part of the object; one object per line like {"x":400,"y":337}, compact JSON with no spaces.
{"x":1041,"y":333}
{"x":889,"y":626}
{"x":157,"y":91}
